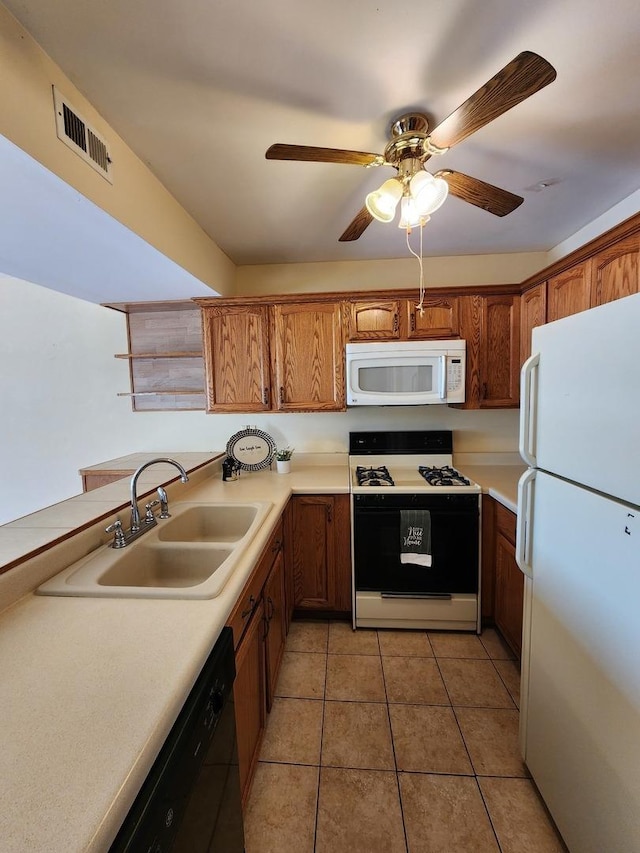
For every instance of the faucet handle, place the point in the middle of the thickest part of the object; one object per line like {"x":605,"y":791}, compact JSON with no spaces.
{"x":149,"y":517}
{"x":118,"y":534}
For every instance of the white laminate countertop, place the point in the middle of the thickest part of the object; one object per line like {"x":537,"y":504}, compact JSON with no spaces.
{"x":92,"y":686}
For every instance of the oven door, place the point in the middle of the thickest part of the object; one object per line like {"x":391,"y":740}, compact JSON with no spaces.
{"x":454,"y":548}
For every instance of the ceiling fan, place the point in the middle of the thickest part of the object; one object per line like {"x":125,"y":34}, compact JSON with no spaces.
{"x":412,"y":145}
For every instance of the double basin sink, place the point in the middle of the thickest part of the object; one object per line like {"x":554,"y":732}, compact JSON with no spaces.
{"x":192,"y":554}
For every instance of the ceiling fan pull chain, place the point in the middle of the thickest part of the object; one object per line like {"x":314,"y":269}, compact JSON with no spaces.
{"x":420,"y":305}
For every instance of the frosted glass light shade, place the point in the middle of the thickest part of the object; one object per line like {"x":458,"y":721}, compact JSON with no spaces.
{"x":382,"y":203}
{"x":429,"y":193}
{"x":410,"y":215}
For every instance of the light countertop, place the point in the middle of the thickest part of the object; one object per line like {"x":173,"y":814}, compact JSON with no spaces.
{"x":92,"y":686}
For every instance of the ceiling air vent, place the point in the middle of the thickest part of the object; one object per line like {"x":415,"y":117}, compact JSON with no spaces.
{"x":74,"y":131}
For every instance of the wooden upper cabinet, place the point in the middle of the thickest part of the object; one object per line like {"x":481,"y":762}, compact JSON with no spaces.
{"x":569,"y":292}
{"x":439,"y":318}
{"x":500,"y":352}
{"x":374,"y":321}
{"x":615,"y":272}
{"x":399,"y":319}
{"x":533,"y":312}
{"x":491,"y":327}
{"x":236,"y":347}
{"x":308,"y":357}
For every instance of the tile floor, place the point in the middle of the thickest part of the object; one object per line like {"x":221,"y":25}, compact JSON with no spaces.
{"x":394,"y":742}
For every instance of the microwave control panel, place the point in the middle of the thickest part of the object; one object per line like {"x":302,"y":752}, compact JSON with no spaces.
{"x":455,"y":373}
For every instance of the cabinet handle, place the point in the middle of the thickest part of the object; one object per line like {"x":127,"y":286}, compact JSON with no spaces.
{"x":267,"y":625}
{"x":250,"y":609}
{"x":276,"y":546}
{"x":282,"y":394}
{"x":265,"y":396}
{"x":329,"y":512}
{"x":271,"y":608}
{"x":396,"y":323}
{"x":413,"y":321}
{"x":483,"y":391}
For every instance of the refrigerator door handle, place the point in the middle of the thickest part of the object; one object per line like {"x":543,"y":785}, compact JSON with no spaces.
{"x":528,"y":397}
{"x":523,"y":529}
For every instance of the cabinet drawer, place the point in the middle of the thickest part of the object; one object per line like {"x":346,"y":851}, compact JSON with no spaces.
{"x":506,"y":523}
{"x":250,"y":597}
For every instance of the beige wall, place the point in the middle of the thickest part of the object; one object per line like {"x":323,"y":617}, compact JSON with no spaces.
{"x":380,"y":275}
{"x":136,"y":198}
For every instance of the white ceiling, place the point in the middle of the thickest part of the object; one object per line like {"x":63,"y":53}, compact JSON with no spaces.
{"x":200,"y":89}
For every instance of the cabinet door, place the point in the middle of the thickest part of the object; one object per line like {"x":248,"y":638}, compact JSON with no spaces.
{"x":249,"y":697}
{"x":439,"y":318}
{"x":236,"y":348}
{"x":615,"y":272}
{"x":308,"y":357}
{"x":312,"y":552}
{"x":569,"y":292}
{"x":374,"y":321}
{"x":509,"y":593}
{"x":320,"y":552}
{"x":533,"y":312}
{"x":500,"y":352}
{"x":274,"y":607}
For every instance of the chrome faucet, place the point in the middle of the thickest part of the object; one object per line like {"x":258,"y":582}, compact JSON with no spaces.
{"x":135,"y":512}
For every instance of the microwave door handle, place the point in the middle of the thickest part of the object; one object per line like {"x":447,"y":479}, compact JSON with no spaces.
{"x":443,"y":377}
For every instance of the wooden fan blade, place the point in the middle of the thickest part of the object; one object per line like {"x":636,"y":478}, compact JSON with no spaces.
{"x":489,"y":198}
{"x":357,"y":227}
{"x":322,"y":155}
{"x":522,"y":77}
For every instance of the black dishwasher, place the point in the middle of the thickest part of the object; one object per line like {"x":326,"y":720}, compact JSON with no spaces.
{"x":190,"y":801}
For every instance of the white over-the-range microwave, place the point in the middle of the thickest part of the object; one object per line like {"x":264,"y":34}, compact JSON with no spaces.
{"x":411,"y":373}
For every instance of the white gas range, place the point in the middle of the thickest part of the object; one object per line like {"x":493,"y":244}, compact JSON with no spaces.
{"x":415,"y":533}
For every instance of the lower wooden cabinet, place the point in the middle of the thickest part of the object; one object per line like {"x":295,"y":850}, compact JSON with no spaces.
{"x":502,"y":580}
{"x":275,"y":625}
{"x":259,"y":631}
{"x":320,"y":553}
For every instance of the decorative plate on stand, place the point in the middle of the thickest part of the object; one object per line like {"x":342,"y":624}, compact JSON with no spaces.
{"x":252,"y":449}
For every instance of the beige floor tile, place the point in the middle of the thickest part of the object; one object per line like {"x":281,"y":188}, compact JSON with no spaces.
{"x":281,"y":812}
{"x":445,"y":814}
{"x":357,"y":735}
{"x":294,"y":732}
{"x":491,"y":736}
{"x":519,"y":817}
{"x":450,"y":645}
{"x":509,"y":672}
{"x":343,"y":640}
{"x":475,"y":683}
{"x":358,"y":812}
{"x":356,"y":678}
{"x":302,"y":675}
{"x":405,"y":644}
{"x":496,"y":647}
{"x":414,"y":680}
{"x":308,"y":637}
{"x":426,"y":739}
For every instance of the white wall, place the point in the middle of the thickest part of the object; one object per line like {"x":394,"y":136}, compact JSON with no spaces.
{"x":60,"y":411}
{"x":344,"y":276}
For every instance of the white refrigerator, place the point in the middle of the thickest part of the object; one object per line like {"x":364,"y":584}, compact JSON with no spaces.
{"x":578,"y":544}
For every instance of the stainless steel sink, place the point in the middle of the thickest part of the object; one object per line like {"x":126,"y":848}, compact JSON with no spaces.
{"x":190,"y":555}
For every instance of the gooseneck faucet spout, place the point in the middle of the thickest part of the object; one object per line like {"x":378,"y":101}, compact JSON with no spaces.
{"x":135,"y":512}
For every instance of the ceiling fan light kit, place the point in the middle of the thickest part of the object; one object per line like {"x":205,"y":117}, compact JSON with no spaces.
{"x":411,"y":145}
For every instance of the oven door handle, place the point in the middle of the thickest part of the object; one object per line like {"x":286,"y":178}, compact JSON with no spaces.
{"x":445,"y":595}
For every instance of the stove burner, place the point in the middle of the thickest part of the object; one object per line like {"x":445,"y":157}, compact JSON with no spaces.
{"x":445,"y":476}
{"x":373,"y":476}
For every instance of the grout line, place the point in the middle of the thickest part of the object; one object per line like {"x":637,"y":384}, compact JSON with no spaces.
{"x":324,"y":700}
